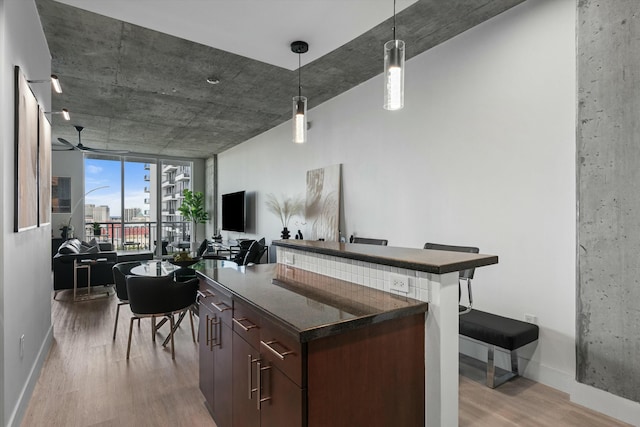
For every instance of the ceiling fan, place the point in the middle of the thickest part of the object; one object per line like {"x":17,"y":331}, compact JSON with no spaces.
{"x":80,"y":147}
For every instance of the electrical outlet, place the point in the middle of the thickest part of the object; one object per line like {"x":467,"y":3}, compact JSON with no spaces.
{"x":399,"y":283}
{"x":21,"y":346}
{"x":531,"y":318}
{"x":289,"y":258}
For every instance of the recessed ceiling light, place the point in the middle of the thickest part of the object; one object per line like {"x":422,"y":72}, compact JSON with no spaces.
{"x":212,"y":80}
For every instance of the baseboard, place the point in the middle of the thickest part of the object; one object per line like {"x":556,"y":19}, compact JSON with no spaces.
{"x":606,"y":403}
{"x":598,"y":400}
{"x":27,"y":390}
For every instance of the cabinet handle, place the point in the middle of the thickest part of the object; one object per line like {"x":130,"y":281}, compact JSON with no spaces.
{"x":208,"y":322}
{"x":205,"y":294}
{"x":279,"y":355}
{"x":217,"y":325}
{"x":260,"y":399}
{"x":244,"y":328}
{"x":221,"y":309}
{"x":250,"y":361}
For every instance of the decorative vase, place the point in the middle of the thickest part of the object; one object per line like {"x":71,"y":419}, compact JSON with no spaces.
{"x":63,"y":232}
{"x":285,"y":233}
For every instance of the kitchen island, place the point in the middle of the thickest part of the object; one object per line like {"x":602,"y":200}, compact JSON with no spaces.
{"x":282,"y":346}
{"x":334,"y":334}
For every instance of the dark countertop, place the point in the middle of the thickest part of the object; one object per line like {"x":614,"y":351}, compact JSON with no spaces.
{"x":308,"y":305}
{"x":427,"y":260}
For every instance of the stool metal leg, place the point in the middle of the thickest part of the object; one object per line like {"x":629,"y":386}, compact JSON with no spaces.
{"x":492,"y":380}
{"x":514,"y":363}
{"x":491,"y":367}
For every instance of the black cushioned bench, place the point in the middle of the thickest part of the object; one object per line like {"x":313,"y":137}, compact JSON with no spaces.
{"x":498,"y":331}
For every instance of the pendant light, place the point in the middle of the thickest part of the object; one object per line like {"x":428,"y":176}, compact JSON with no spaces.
{"x":394,"y":70}
{"x":299,"y":102}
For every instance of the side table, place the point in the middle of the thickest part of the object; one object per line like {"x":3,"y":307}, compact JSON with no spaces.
{"x":85,"y":264}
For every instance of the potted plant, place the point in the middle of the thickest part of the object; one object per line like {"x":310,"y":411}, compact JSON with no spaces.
{"x":285,"y":209}
{"x":97,"y":230}
{"x":192,"y":209}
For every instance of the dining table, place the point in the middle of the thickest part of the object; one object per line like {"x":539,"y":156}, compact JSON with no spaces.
{"x":159,"y":268}
{"x":154,"y":268}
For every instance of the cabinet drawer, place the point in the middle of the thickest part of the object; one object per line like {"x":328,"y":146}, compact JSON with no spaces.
{"x":216,"y":300}
{"x":246,"y":323}
{"x":282,"y":350}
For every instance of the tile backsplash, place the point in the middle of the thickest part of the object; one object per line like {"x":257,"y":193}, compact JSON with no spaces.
{"x":363,"y":273}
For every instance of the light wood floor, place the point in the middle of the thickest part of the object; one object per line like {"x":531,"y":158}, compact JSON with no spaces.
{"x":87,"y":381}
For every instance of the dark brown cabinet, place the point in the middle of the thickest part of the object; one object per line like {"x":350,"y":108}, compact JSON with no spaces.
{"x":207,"y":318}
{"x":216,"y":352}
{"x":262,"y":394}
{"x":260,"y":373}
{"x":281,"y":398}
{"x":245,"y":411}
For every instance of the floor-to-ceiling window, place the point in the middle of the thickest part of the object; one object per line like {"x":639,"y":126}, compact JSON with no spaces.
{"x":133,"y":202}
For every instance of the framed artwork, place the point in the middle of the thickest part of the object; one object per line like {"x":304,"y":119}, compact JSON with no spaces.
{"x":26,"y":163}
{"x":61,"y":194}
{"x":44,"y":169}
{"x":322,"y":206}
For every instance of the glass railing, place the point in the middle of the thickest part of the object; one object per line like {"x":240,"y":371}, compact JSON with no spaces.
{"x":141,"y":235}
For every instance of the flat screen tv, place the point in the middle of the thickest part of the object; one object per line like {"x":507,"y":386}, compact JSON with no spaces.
{"x":233,"y":211}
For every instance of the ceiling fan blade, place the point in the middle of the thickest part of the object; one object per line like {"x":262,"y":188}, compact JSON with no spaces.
{"x":53,"y":148}
{"x":67,"y":143}
{"x":105,"y":151}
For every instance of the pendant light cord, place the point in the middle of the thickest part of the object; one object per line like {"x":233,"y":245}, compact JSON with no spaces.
{"x":299,"y":79}
{"x":394,"y":19}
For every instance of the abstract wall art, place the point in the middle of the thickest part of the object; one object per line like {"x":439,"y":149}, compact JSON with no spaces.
{"x":26,"y":164}
{"x":322,"y":207}
{"x":44,"y":170}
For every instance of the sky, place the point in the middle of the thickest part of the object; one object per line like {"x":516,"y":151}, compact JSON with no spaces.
{"x":100,"y":173}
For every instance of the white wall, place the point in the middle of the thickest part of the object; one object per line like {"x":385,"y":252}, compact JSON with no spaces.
{"x":25,"y":257}
{"x":482,"y":154}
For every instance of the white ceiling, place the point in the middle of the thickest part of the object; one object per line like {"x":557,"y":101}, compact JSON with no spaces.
{"x":258,"y":29}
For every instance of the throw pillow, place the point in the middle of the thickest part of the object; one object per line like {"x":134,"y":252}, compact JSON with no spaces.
{"x":66,"y":249}
{"x":93,"y":249}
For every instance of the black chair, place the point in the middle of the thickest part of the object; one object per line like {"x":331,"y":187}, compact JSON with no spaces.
{"x":251,"y":252}
{"x":159,"y":297}
{"x":367,"y":241}
{"x":244,"y":246}
{"x":203,"y":248}
{"x":465,"y":275}
{"x":164,"y":243}
{"x":254,"y":253}
{"x":120,"y":271}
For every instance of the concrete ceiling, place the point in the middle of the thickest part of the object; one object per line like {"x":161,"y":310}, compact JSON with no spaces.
{"x":144,"y":90}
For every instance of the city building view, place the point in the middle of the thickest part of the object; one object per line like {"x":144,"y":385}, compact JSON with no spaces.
{"x":134,"y":203}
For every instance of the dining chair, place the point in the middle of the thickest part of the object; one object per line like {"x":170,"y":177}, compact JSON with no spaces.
{"x":120,"y":271}
{"x":465,"y":275}
{"x":159,"y":297}
{"x":368,"y":241}
{"x":254,"y":253}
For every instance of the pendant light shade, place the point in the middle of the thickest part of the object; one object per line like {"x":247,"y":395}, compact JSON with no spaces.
{"x":393,"y":75}
{"x":299,"y":119}
{"x":394,"y":70}
{"x":299,"y":102}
